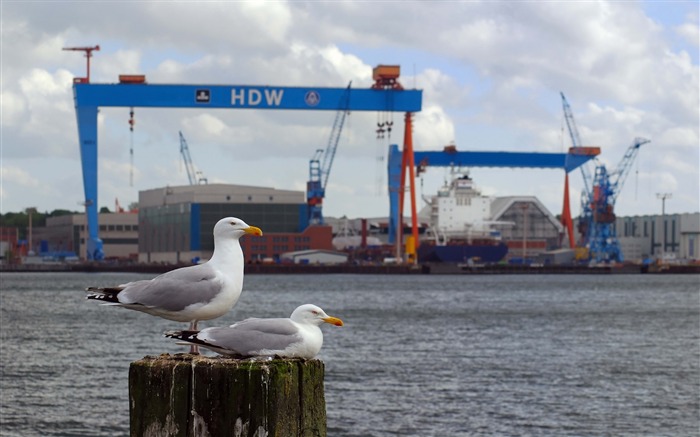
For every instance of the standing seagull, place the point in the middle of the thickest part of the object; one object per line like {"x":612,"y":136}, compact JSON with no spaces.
{"x":190,"y":294}
{"x":296,"y":337}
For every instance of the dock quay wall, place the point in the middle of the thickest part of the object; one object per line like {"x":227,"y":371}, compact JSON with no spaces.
{"x":429,"y":268}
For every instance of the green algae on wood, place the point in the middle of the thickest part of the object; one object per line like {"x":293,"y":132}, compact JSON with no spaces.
{"x":190,"y":395}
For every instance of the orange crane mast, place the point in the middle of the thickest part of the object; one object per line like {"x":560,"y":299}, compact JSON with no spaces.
{"x":88,"y":54}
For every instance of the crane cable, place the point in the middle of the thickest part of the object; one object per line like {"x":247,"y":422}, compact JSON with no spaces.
{"x":380,"y":150}
{"x":636,"y":180}
{"x":131,"y":147}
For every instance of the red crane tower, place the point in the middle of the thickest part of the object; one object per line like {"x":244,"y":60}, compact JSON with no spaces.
{"x":88,"y":54}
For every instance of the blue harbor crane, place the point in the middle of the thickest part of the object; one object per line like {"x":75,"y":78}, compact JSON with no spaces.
{"x":195,"y":176}
{"x":321,"y":163}
{"x":132,"y":91}
{"x":597,"y":219}
{"x":603,"y":245}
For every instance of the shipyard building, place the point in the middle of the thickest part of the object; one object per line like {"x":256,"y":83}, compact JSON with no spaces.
{"x":175,"y":223}
{"x":527,"y":227}
{"x":652,"y":236}
{"x":64,"y":237}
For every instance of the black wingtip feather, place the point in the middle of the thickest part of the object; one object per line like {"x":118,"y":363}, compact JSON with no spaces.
{"x":187,"y":336}
{"x":103,"y":297}
{"x":182,"y":335}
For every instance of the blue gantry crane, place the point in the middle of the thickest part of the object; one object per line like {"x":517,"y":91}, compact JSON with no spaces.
{"x":597,"y":219}
{"x":321,"y":163}
{"x":194,"y":176}
{"x":133,"y":91}
{"x":451,"y":157}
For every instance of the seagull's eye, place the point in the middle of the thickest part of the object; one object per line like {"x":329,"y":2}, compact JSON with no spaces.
{"x":314,"y":312}
{"x":233,"y":223}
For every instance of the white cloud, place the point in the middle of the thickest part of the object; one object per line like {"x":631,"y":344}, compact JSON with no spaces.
{"x":206,"y":125}
{"x":433,"y":129}
{"x":14,"y":108}
{"x":41,"y":117}
{"x":491,"y":73}
{"x":19,"y":177}
{"x":690,"y":32}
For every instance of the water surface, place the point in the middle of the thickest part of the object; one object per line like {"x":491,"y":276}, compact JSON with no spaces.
{"x":419,"y":355}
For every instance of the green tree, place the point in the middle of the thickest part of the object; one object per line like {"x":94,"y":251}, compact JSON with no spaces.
{"x":62,"y":212}
{"x":20,"y":220}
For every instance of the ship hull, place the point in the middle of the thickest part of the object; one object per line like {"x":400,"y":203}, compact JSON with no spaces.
{"x":460,"y":253}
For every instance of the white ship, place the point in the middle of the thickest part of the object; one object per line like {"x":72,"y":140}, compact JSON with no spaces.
{"x":460,"y":225}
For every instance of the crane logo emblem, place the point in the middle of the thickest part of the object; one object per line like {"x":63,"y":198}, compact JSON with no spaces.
{"x":312,"y":98}
{"x":248,"y":97}
{"x":202,"y":96}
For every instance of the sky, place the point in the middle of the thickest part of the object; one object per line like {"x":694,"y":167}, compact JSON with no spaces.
{"x":491,"y":74}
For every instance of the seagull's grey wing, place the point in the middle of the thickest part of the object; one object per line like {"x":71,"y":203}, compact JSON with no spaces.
{"x":174,"y":290}
{"x":252,"y":335}
{"x":274,"y":326}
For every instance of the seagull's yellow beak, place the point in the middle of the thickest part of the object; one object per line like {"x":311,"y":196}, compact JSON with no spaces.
{"x":253,"y":230}
{"x":333,"y":321}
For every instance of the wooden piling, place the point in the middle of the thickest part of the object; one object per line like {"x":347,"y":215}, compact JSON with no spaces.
{"x":195,"y":396}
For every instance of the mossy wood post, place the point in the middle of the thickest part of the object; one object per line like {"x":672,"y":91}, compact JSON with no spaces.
{"x":195,"y":396}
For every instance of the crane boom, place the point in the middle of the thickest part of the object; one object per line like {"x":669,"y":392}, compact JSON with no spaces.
{"x":620,"y":173}
{"x":195,"y":177}
{"x":575,"y":140}
{"x":321,"y":163}
{"x":334,"y":138}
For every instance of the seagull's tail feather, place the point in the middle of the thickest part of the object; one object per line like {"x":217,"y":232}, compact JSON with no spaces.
{"x":185,"y":337}
{"x":190,"y":336}
{"x":106,"y":295}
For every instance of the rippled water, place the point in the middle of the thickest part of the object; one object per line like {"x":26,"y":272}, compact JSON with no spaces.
{"x":420,"y":355}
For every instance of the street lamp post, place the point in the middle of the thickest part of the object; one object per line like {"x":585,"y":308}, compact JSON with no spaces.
{"x":663,"y":197}
{"x":30,"y":249}
{"x":524,"y":207}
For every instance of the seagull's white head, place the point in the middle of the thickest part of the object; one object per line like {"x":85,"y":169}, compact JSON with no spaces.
{"x":232,"y":227}
{"x":314,"y":315}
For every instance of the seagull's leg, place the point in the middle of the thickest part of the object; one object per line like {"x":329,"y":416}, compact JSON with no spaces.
{"x":194,"y":349}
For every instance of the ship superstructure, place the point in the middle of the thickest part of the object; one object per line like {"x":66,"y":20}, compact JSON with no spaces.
{"x":460,"y":225}
{"x":459,"y":211}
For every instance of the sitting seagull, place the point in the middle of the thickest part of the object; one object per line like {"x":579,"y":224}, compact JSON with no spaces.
{"x":190,"y":294}
{"x":296,"y":337}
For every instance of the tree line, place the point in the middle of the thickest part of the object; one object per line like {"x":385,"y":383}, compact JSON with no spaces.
{"x":21,"y":219}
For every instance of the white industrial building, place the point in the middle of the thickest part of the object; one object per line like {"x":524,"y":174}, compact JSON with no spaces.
{"x":652,"y":236}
